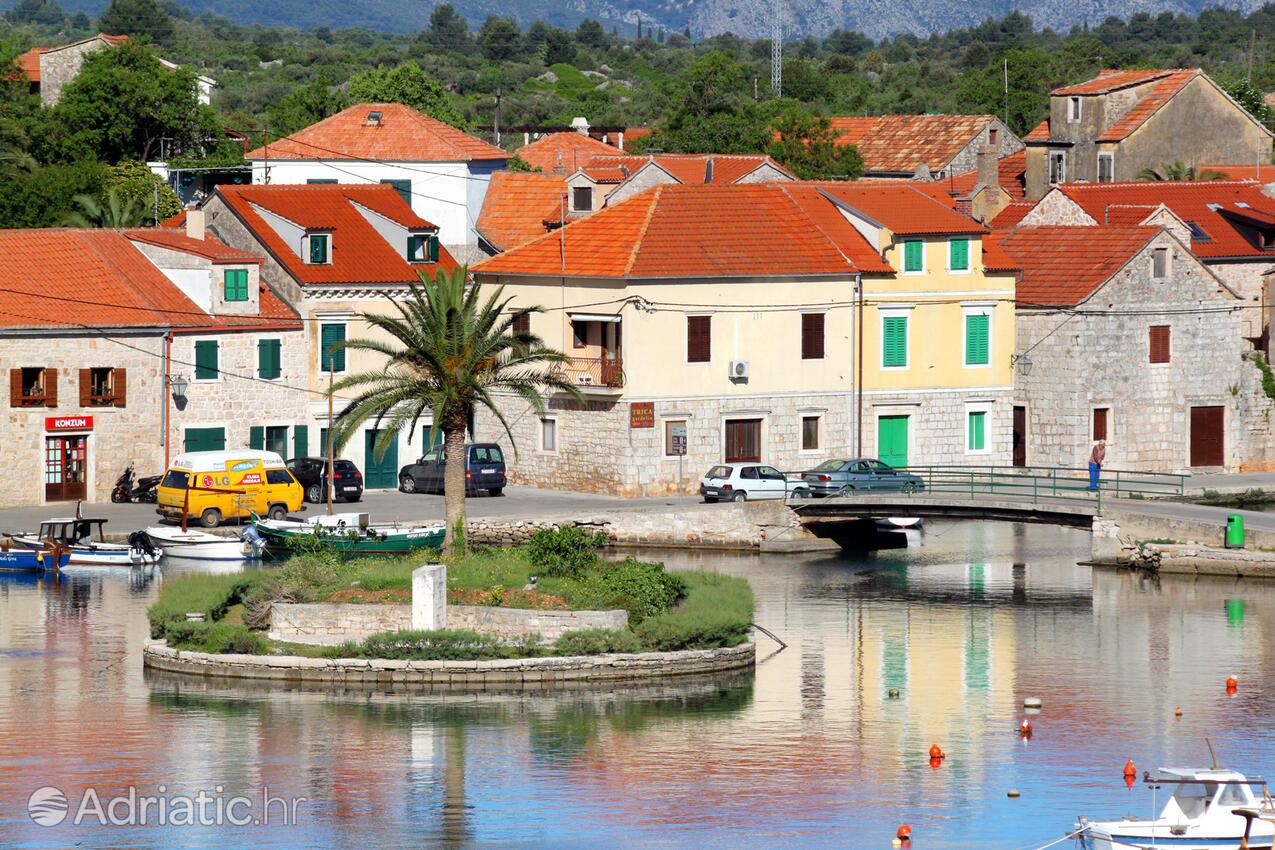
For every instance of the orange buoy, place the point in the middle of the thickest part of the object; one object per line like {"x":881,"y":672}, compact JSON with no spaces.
{"x":1232,"y":684}
{"x":1129,"y":770}
{"x":1025,"y":728}
{"x":1128,"y":781}
{"x":936,"y":763}
{"x":936,"y":752}
{"x":905,"y":832}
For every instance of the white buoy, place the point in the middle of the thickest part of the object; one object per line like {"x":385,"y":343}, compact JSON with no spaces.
{"x":1032,"y":702}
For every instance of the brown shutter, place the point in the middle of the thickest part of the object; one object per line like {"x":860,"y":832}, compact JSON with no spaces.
{"x":1159,"y":344}
{"x":699,"y":339}
{"x":812,"y":336}
{"x":119,"y":387}
{"x":50,"y":386}
{"x":86,"y":387}
{"x":1100,"y":423}
{"x":15,"y":387}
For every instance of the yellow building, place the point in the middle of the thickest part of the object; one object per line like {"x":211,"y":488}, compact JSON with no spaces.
{"x":786,"y":323}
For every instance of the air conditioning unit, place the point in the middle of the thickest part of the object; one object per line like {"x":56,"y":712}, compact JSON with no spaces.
{"x":739,"y":370}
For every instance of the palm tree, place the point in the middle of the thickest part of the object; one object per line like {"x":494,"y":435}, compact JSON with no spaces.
{"x":110,"y":211}
{"x":448,"y":350}
{"x":1179,"y":171}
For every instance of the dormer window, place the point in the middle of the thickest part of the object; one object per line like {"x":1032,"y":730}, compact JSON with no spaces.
{"x":374,"y":119}
{"x":318,"y":249}
{"x":422,"y":248}
{"x":1073,"y":108}
{"x":235,"y":284}
{"x":582,"y":199}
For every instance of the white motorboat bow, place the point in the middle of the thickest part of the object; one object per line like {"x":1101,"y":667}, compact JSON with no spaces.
{"x":1202,"y":813}
{"x":202,"y":546}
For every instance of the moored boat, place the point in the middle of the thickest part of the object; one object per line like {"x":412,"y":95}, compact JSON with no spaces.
{"x":203,"y":546}
{"x":76,"y":534}
{"x":25,"y":560}
{"x":349,"y":534}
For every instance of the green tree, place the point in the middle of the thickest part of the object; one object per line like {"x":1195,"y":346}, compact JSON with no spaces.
{"x":409,"y":85}
{"x":590,"y":34}
{"x":137,"y":17}
{"x":110,"y":210}
{"x":45,"y":13}
{"x":1179,"y":171}
{"x":43,"y":196}
{"x":498,"y":39}
{"x":1248,"y":96}
{"x":304,"y":105}
{"x":447,"y":30}
{"x":714,"y":111}
{"x":807,"y":146}
{"x":123,"y":103}
{"x":134,"y":183}
{"x":1030,"y":72}
{"x":560,"y":47}
{"x":450,"y":347}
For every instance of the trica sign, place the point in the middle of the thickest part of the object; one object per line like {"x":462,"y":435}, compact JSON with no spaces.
{"x":68,"y":423}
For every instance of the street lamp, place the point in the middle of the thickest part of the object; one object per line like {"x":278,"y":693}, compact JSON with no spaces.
{"x":1023,"y":362}
{"x":178,"y":384}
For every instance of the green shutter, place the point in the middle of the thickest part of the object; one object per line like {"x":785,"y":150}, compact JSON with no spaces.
{"x":959,"y":255}
{"x":329,"y":360}
{"x":206,"y":360}
{"x":913,"y":255}
{"x":895,"y":342}
{"x":204,"y":440}
{"x":433,"y":249}
{"x":318,"y":248}
{"x":256,"y":437}
{"x":976,"y":339}
{"x":404,"y":189}
{"x":977,"y":435}
{"x":300,"y":440}
{"x":323,"y":442}
{"x":235,"y":284}
{"x":269,"y":363}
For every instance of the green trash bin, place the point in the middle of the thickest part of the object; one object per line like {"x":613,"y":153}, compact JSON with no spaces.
{"x":1235,"y":532}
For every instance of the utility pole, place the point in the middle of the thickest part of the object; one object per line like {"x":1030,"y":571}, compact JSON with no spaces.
{"x":777,"y":48}
{"x":330,"y":430}
{"x":1006,"y":92}
{"x":496,"y":126}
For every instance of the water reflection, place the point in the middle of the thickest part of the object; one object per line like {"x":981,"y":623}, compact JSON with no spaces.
{"x":810,"y":751}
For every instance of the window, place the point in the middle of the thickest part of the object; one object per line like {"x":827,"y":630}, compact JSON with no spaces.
{"x":743,"y":440}
{"x":1073,"y":109}
{"x":675,"y":443}
{"x":404,"y":189}
{"x":699,"y":339}
{"x":279,"y":476}
{"x":522,"y":323}
{"x":894,"y":345}
{"x":1106,"y":167}
{"x":913,"y":255}
{"x":206,"y":360}
{"x":812,"y":336}
{"x":321,"y":181}
{"x":33,"y":386}
{"x":277,"y":440}
{"x":810,"y":433}
{"x":977,"y":344}
{"x":993,"y":136}
{"x":1057,"y":167}
{"x":319,"y":245}
{"x":1101,"y":415}
{"x":269,"y":365}
{"x":330,"y":359}
{"x":1158,"y":339}
{"x":958,"y":255}
{"x":417,"y":248}
{"x":977,"y":431}
{"x":579,"y":333}
{"x":548,"y":435}
{"x":582,"y":199}
{"x":102,"y":387}
{"x":1198,"y":234}
{"x":1160,"y":263}
{"x":235,"y":284}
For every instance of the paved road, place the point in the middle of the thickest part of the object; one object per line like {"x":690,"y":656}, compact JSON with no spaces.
{"x":383,"y":505}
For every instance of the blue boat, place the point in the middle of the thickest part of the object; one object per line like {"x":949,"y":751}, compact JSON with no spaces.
{"x":32,"y":560}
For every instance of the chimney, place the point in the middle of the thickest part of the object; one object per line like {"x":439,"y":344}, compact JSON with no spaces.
{"x":988,"y":166}
{"x":195,"y":223}
{"x":580,"y":125}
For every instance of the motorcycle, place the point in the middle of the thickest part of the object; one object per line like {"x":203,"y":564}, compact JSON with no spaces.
{"x":140,"y":490}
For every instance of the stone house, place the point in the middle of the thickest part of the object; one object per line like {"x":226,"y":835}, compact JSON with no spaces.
{"x":787,"y":322}
{"x":925,"y":147}
{"x":1110,"y":128}
{"x":1229,"y":225}
{"x":49,"y":69}
{"x":100,"y":329}
{"x":1124,"y":335}
{"x":332,"y":252}
{"x":442,"y":173}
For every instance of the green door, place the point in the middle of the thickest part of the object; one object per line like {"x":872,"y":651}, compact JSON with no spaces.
{"x":379,"y":473}
{"x":204,"y":440}
{"x":892,"y":440}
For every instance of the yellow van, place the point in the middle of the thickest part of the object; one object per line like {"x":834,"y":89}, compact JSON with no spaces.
{"x":216,"y":486}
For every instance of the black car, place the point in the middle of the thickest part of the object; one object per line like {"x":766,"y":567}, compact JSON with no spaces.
{"x":485,"y":470}
{"x":311,"y":472}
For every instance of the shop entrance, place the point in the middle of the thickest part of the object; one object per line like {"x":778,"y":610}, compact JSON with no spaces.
{"x":65,"y":468}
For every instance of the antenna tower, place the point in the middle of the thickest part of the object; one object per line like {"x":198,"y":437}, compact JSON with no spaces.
{"x":777,"y":48}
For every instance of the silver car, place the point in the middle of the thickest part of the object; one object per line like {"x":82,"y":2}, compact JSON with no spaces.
{"x":857,"y":474}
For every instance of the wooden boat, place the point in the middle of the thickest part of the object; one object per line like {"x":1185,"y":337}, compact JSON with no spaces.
{"x":199,"y":545}
{"x":25,"y":560}
{"x":348,"y":534}
{"x":77,"y":535}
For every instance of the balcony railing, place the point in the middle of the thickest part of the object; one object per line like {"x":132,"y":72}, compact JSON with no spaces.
{"x":595,"y":372}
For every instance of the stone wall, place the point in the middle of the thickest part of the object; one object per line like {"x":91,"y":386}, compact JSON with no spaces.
{"x":330,"y":624}
{"x":937,"y":426}
{"x":1007,"y":145}
{"x":515,"y":623}
{"x":60,"y":67}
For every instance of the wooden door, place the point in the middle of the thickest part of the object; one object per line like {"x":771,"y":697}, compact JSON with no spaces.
{"x":743,"y":440}
{"x":892,"y":440}
{"x":1208,"y":442}
{"x":65,"y":468}
{"x":1020,"y":435}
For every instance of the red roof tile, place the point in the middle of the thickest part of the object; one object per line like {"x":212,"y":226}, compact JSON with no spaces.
{"x":1062,"y":266}
{"x":901,"y":207}
{"x":359,"y":253}
{"x":210,"y":249}
{"x":563,"y":152}
{"x":1011,"y":215}
{"x":686,"y":168}
{"x":402,"y":135}
{"x":1263,"y":173}
{"x":900,"y":143}
{"x":676,"y":231}
{"x":1011,"y":172}
{"x":177,"y":220}
{"x":1039,"y":133}
{"x":1110,"y":79}
{"x":29,"y":63}
{"x":994,"y":257}
{"x":517,"y":206}
{"x":1201,"y":201}
{"x":1165,"y":88}
{"x":606,"y":173}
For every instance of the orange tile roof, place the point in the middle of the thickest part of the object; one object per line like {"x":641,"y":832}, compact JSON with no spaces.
{"x":175,"y":220}
{"x":606,"y":173}
{"x":687,"y":168}
{"x":678,"y":231}
{"x":517,"y":206}
{"x":359,"y":254}
{"x":403,"y":135}
{"x":994,"y":257}
{"x":99,"y":279}
{"x":1062,"y":266}
{"x":1165,"y":88}
{"x":177,"y":240}
{"x":1263,"y":173}
{"x":563,"y":152}
{"x":1111,"y":79}
{"x":1201,"y":201}
{"x":1012,"y":215}
{"x":900,"y":143}
{"x":29,"y":63}
{"x":1011,"y":173}
{"x":1039,"y":133}
{"x":901,"y":207}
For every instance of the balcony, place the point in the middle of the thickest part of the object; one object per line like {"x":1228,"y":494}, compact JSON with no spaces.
{"x":595,"y":374}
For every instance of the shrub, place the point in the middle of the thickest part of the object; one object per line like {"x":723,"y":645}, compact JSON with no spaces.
{"x":209,"y":595}
{"x":443,"y":645}
{"x":596,"y":642}
{"x":716,"y":612}
{"x":643,"y":589}
{"x":566,"y":552}
{"x":217,"y":638}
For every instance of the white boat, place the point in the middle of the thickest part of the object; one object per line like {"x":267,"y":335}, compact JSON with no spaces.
{"x":199,"y":545}
{"x":1200,"y":814}
{"x":77,"y":535}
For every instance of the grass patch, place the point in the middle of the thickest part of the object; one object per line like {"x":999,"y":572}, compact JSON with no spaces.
{"x":210,"y":595}
{"x":218,"y":638}
{"x":716,"y":612}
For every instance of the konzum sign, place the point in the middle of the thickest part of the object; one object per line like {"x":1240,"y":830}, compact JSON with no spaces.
{"x":68,"y":423}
